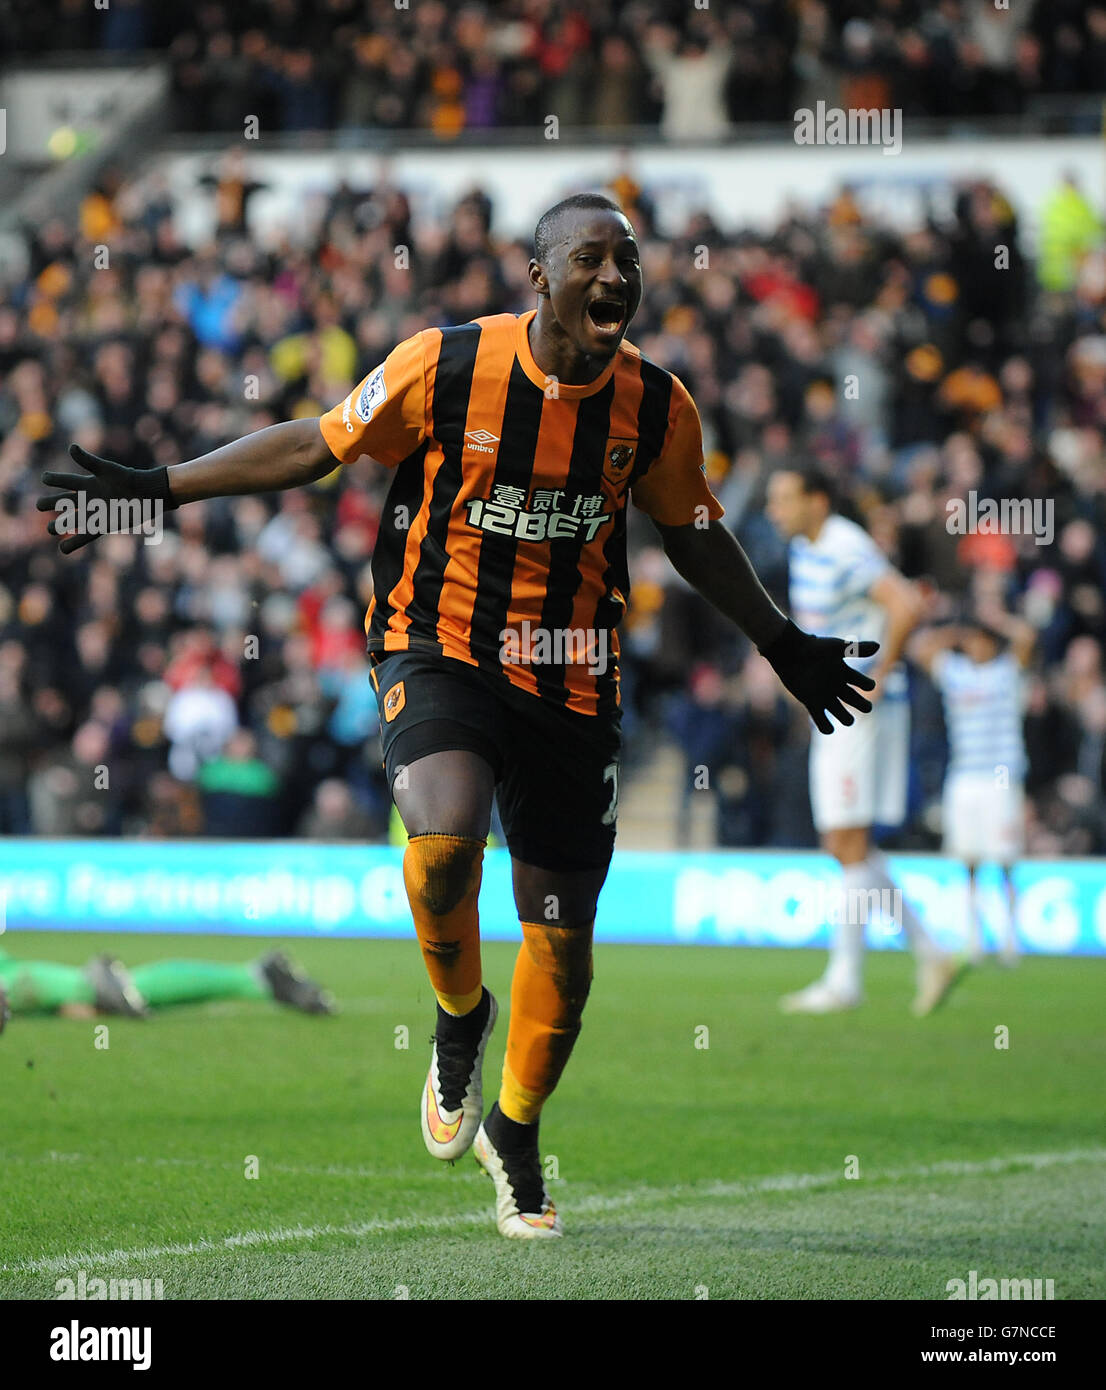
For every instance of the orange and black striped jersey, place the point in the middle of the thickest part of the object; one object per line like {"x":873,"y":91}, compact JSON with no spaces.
{"x":503,"y":539}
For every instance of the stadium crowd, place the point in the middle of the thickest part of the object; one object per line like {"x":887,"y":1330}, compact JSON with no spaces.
{"x":358,"y":65}
{"x":214,"y":682}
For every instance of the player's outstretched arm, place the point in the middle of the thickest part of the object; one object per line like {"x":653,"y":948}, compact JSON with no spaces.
{"x":270,"y":460}
{"x":812,"y":668}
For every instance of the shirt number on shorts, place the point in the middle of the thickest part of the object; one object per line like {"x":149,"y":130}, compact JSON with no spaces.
{"x":610,"y":774}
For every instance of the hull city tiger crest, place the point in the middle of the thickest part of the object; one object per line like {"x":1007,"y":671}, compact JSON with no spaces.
{"x":394,"y":701}
{"x":619,"y":460}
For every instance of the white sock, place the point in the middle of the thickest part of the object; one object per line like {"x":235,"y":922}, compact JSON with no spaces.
{"x":845,"y":970}
{"x":921,"y":943}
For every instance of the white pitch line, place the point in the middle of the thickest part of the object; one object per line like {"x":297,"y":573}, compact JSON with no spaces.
{"x":638,"y":1196}
{"x":330,"y":1170}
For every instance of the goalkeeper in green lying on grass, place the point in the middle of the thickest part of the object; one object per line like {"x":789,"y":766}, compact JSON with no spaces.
{"x":106,"y":986}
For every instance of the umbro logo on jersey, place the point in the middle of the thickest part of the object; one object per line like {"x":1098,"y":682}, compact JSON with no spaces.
{"x":481,"y":441}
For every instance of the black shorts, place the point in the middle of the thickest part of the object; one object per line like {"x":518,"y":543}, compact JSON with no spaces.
{"x":556,"y":771}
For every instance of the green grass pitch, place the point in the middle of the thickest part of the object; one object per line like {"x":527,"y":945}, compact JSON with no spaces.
{"x":684,"y":1170}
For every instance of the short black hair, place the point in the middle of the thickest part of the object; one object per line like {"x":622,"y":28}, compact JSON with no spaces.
{"x":814,"y":479}
{"x":546,"y":230}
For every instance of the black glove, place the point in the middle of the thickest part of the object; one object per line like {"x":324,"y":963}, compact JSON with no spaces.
{"x":105,"y":481}
{"x":814,"y":670}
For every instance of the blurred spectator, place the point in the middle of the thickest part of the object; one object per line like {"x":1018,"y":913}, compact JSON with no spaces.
{"x":692,"y":76}
{"x":334,"y":815}
{"x":71,"y":794}
{"x":20,"y":735}
{"x":239,"y":792}
{"x":1070,"y":229}
{"x":199,"y":720}
{"x":233,"y":190}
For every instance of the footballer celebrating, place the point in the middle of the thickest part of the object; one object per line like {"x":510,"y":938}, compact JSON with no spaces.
{"x":500,"y":576}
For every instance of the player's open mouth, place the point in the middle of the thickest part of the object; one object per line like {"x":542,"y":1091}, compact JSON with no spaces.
{"x":607,"y":316}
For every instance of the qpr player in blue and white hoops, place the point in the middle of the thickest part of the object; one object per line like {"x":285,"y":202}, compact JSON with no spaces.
{"x":978,"y":666}
{"x":841,"y":581}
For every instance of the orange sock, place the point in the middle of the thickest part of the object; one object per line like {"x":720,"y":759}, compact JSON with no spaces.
{"x":442,"y":876}
{"x":550,"y":987}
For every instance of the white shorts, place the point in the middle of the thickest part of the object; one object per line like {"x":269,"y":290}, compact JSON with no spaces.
{"x":982,"y":821}
{"x":858,"y":775}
